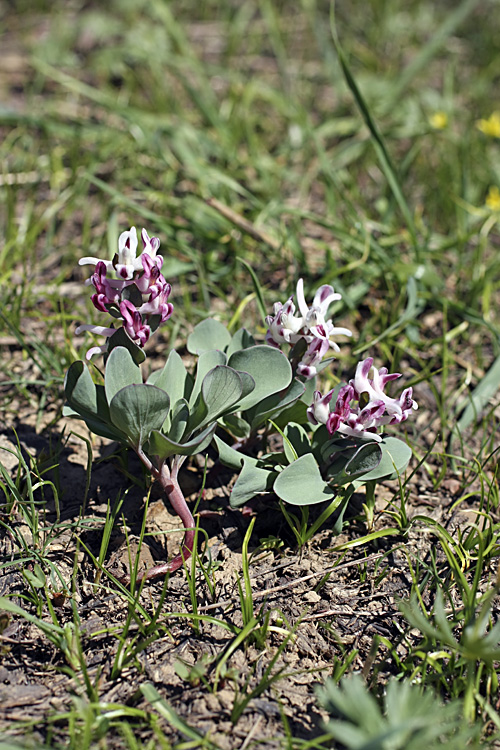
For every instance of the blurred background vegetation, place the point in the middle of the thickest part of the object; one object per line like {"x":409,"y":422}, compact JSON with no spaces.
{"x":232,"y":131}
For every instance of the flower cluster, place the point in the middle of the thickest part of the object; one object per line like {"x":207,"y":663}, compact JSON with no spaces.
{"x":309,"y":326}
{"x":131,"y":288}
{"x":362,"y":406}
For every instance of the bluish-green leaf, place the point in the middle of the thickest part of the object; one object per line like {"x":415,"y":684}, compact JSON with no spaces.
{"x":88,"y":402}
{"x":367,"y":458}
{"x":247,"y":384}
{"x":173,"y":378}
{"x":79,"y":389}
{"x":206,"y":362}
{"x":132,"y":294}
{"x":96,"y":425}
{"x":301,"y":483}
{"x":121,"y":370}
{"x":138,"y":409}
{"x":179,"y":417}
{"x":395,"y":458}
{"x":160,"y":445}
{"x":322,"y":444}
{"x":221,"y":389}
{"x":298,"y":437}
{"x":354,"y":463}
{"x":242,"y":339}
{"x":121,"y":338}
{"x":324,"y":364}
{"x":207,"y":335}
{"x":269,"y":368}
{"x":297,"y":412}
{"x":235,"y":425}
{"x":102,"y":404}
{"x":273,"y":405}
{"x":252,"y":481}
{"x":231,"y":457}
{"x":309,"y":388}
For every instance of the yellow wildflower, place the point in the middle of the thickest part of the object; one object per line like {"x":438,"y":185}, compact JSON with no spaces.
{"x":491,"y":126}
{"x":438,"y":120}
{"x":493,"y":198}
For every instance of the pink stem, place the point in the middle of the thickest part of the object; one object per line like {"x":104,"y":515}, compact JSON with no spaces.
{"x":168,"y":480}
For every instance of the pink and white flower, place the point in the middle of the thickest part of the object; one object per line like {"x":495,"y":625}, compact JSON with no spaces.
{"x":126,"y":269}
{"x":134,"y":324}
{"x":285,"y":326}
{"x":125,"y":262}
{"x":312,"y":357}
{"x":362,"y":406}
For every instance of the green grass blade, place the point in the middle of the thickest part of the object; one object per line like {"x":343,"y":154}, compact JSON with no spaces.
{"x":153,"y":697}
{"x":377,"y":140}
{"x":480,"y":397}
{"x":258,"y":290}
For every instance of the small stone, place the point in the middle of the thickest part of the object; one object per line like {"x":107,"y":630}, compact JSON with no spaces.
{"x":8,"y":454}
{"x":311,"y":597}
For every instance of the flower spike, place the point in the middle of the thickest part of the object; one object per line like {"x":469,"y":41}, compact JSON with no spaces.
{"x":362,"y":406}
{"x":123,"y":282}
{"x":311,"y":327}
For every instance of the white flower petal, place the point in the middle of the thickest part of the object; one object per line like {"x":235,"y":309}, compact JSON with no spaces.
{"x":88,"y":261}
{"x":127,"y":247}
{"x":301,"y":302}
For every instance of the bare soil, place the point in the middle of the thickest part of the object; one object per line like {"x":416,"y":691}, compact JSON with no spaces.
{"x":336,"y":603}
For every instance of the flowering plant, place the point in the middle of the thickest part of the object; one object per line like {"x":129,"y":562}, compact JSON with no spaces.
{"x":330,"y":442}
{"x":174,"y":413}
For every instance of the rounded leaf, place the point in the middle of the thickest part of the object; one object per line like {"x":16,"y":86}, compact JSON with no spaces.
{"x":270,"y":369}
{"x":230,"y":457}
{"x":299,"y":439}
{"x":242,"y":339}
{"x":173,"y":378}
{"x":175,"y":427}
{"x":221,"y":389}
{"x":395,"y":458}
{"x":138,"y":409}
{"x":96,"y":425}
{"x":121,"y":338}
{"x":275,"y":404}
{"x":301,"y":483}
{"x":80,"y":389}
{"x":207,"y":361}
{"x":209,"y":334}
{"x":367,"y":458}
{"x":252,"y":481}
{"x":121,"y":370}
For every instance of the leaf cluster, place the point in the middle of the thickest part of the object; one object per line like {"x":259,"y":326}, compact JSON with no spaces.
{"x":175,"y":413}
{"x":410,"y":719}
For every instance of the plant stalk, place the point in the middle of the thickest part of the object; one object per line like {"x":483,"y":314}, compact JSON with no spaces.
{"x":170,"y":485}
{"x":369,"y":504}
